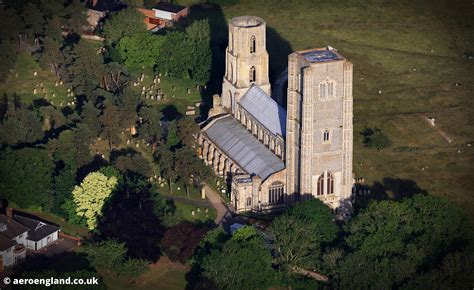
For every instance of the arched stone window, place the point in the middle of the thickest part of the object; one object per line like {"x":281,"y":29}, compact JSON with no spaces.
{"x":275,"y":192}
{"x":330,"y":183}
{"x":252,"y":44}
{"x":320,"y":185}
{"x":252,"y":75}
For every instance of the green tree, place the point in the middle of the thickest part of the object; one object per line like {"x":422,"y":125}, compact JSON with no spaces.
{"x":390,"y":241}
{"x":199,"y":35}
{"x":375,"y":138}
{"x":10,"y":23}
{"x":108,"y":254}
{"x":26,"y":177}
{"x":126,"y":22}
{"x":132,"y":268}
{"x":89,"y":116}
{"x":172,"y":139}
{"x":166,"y":162}
{"x":64,"y":183}
{"x":114,"y":77}
{"x":91,"y":196}
{"x":20,"y":125}
{"x":51,"y":55}
{"x":295,"y":243}
{"x":53,"y":118}
{"x":33,"y":19}
{"x":189,"y":167}
{"x":150,"y":129}
{"x":318,"y":216}
{"x":241,"y":264}
{"x":111,"y":124}
{"x":133,"y":164}
{"x":187,"y":131}
{"x":175,"y":56}
{"x":85,"y":68}
{"x":140,"y":50}
{"x":70,"y":150}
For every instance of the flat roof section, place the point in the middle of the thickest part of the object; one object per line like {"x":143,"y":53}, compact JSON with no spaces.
{"x":321,"y":55}
{"x":168,"y":7}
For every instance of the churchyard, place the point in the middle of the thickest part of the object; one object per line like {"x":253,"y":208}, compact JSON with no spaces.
{"x":30,"y":82}
{"x":161,"y":91}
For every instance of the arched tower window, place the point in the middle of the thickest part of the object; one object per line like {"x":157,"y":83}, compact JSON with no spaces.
{"x":252,"y":44}
{"x":252,"y":75}
{"x":330,"y":183}
{"x":320,"y":185}
{"x":230,"y":72}
{"x":275,"y":192}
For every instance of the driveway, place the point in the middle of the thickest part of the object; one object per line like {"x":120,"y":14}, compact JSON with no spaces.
{"x":62,"y":245}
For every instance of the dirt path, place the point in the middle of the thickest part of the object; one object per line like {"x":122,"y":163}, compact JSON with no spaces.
{"x":223,"y":211}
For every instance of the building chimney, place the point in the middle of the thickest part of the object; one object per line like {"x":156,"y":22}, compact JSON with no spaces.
{"x":9,"y":212}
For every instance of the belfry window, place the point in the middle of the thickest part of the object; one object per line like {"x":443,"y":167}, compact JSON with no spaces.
{"x":252,"y":44}
{"x":275,"y":193}
{"x":322,"y":90}
{"x":326,"y":135}
{"x":320,"y":185}
{"x":252,"y":75}
{"x":330,"y":183}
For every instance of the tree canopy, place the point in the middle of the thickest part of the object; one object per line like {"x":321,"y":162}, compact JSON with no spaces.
{"x":244,"y":262}
{"x":126,"y":22}
{"x":26,"y":177}
{"x":391,"y":241}
{"x":91,"y":195}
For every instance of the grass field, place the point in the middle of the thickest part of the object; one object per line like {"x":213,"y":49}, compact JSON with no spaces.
{"x":411,"y":51}
{"x":162,"y":275}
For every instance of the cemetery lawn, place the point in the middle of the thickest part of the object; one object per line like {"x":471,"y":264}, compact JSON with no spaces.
{"x":22,"y":82}
{"x":184,"y":210}
{"x":410,"y":51}
{"x":172,"y":107}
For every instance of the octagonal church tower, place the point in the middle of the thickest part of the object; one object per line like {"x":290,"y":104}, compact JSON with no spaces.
{"x":246,"y":60}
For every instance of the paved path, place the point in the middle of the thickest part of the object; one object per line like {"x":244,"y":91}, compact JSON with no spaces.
{"x":223,"y":211}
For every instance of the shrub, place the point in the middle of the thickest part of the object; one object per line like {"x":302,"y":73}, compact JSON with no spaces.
{"x":375,"y":138}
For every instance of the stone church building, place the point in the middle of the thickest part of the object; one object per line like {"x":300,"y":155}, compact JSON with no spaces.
{"x":272,"y":156}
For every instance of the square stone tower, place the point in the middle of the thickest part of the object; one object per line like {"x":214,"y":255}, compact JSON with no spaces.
{"x":319,"y":126}
{"x":246,"y":59}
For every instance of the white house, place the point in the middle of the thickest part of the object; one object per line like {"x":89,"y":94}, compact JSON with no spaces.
{"x":40,"y":234}
{"x":12,"y":240}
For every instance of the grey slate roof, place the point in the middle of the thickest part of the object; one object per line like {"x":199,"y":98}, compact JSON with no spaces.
{"x":12,"y":228}
{"x":38,"y":229}
{"x":6,"y":243}
{"x":265,"y":110}
{"x":242,"y":147}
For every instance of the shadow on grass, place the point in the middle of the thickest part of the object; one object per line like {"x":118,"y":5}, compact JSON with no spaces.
{"x":60,"y":263}
{"x":389,"y":188}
